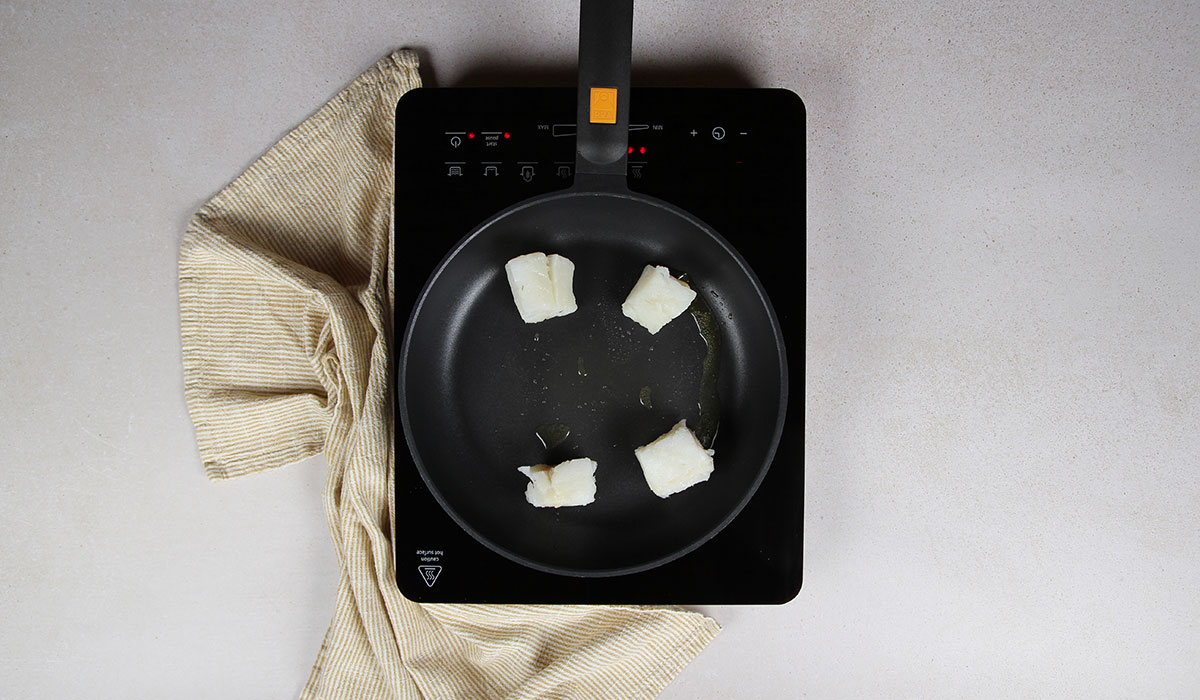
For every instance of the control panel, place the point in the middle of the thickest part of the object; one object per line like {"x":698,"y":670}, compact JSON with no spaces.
{"x":546,"y":151}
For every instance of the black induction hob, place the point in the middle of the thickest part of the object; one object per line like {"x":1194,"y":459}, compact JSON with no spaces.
{"x":735,"y":158}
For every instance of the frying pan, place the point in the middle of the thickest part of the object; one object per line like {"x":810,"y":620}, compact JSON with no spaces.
{"x":481,"y":393}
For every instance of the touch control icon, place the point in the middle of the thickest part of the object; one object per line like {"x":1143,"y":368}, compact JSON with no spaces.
{"x":718,"y":132}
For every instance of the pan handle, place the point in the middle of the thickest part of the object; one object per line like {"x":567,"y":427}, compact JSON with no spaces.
{"x":602,"y":116}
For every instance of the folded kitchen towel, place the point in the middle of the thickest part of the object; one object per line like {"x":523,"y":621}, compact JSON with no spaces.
{"x":286,"y":297}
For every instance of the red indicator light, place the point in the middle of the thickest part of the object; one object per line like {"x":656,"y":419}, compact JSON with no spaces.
{"x":631,"y":149}
{"x":642,"y":149}
{"x":507,"y":135}
{"x":470,"y":134}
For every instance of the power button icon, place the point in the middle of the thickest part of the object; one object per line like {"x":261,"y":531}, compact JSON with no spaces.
{"x":718,"y":132}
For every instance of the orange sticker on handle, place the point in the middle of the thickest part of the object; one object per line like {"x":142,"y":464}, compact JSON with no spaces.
{"x":603,"y":106}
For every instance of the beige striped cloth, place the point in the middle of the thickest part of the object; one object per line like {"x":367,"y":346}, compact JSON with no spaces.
{"x":286,"y":296}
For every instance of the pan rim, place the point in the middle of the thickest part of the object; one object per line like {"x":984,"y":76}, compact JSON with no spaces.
{"x":402,"y":403}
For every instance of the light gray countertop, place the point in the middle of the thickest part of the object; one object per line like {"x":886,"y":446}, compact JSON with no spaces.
{"x":1002,"y":400}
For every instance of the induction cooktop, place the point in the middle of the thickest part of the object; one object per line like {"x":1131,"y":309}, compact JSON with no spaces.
{"x":733,"y":157}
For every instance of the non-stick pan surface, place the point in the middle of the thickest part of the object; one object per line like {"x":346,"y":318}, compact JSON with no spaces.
{"x":482,"y":393}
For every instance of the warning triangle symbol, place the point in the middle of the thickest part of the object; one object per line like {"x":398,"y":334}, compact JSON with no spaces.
{"x":430,"y":574}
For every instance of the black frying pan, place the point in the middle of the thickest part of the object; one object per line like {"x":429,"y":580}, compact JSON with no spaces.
{"x":482,"y":393}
